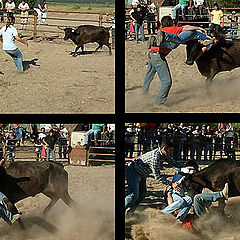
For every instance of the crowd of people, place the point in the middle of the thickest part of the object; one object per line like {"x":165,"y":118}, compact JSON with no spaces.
{"x":193,"y":142}
{"x":146,"y":11}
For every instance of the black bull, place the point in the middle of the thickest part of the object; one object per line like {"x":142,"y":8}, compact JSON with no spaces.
{"x":223,"y":56}
{"x":214,"y":178}
{"x":26,"y":179}
{"x":88,"y":34}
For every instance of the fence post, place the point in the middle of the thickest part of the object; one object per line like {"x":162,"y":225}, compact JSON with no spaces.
{"x":100,"y":20}
{"x":35,"y":26}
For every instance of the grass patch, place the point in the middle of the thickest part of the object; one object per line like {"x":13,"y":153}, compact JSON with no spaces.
{"x":96,"y":8}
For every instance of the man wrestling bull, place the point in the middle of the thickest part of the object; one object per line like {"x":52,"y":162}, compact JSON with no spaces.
{"x":168,"y":38}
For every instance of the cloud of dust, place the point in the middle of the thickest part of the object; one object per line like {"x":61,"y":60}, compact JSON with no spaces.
{"x":93,"y":219}
{"x":152,"y":224}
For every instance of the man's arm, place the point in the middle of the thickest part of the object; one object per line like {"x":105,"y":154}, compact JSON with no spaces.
{"x":133,"y":18}
{"x":192,"y":28}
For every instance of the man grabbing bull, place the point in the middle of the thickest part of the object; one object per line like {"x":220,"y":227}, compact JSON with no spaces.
{"x":168,"y":38}
{"x":138,"y":170}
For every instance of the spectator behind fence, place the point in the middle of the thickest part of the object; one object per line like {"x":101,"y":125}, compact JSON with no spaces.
{"x":183,"y":5}
{"x":41,"y":9}
{"x":10,"y":141}
{"x":234,"y":25}
{"x":216,"y":15}
{"x":197,"y":8}
{"x":1,"y":11}
{"x":138,"y":20}
{"x":2,"y":139}
{"x":24,"y":7}
{"x":8,"y":34}
{"x":62,"y":141}
{"x":39,"y":144}
{"x":50,"y":142}
{"x":196,"y":144}
{"x":208,"y":143}
{"x":10,"y":7}
{"x":129,"y":140}
{"x":151,"y":17}
{"x":218,"y":143}
{"x":97,"y":128}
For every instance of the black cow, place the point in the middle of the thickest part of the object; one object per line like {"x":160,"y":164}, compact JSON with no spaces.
{"x":24,"y":179}
{"x":86,"y":34}
{"x":214,"y":178}
{"x":224,"y":56}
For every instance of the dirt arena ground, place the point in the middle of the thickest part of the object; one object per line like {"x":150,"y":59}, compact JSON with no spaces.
{"x":188,"y":92}
{"x":93,"y":188}
{"x":148,"y":223}
{"x":55,"y":81}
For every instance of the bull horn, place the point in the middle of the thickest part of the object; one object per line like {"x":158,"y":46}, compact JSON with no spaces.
{"x":61,"y":28}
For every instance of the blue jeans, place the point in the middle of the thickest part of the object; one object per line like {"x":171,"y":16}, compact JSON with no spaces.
{"x":88,"y":133}
{"x":17,"y":58}
{"x":183,"y":8}
{"x":137,"y":188}
{"x":183,"y":37}
{"x":183,"y":203}
{"x":201,"y":200}
{"x":208,"y":147}
{"x":48,"y":150}
{"x":136,"y":27}
{"x":158,"y":64}
{"x":4,"y":213}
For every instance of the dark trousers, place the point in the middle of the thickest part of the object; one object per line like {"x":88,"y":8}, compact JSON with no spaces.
{"x":215,"y":28}
{"x":129,"y":148}
{"x":151,"y":22}
{"x":63,"y":148}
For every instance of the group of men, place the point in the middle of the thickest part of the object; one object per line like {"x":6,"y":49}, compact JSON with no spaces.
{"x":139,"y":169}
{"x":190,"y":142}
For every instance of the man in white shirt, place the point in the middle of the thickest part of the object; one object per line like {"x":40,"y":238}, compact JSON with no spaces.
{"x":10,"y":6}
{"x":198,"y":5}
{"x":24,"y":7}
{"x":151,"y":17}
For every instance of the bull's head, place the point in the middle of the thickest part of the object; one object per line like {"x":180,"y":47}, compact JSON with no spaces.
{"x":193,"y":49}
{"x":193,"y":184}
{"x":68,"y":32}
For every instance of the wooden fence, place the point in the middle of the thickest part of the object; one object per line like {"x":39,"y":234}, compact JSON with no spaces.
{"x":57,"y":19}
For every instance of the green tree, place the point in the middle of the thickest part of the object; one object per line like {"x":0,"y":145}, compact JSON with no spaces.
{"x":225,"y":4}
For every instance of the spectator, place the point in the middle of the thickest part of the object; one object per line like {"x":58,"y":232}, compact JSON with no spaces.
{"x":10,"y":142}
{"x":198,"y":6}
{"x":41,"y":9}
{"x":151,"y":17}
{"x":24,"y":7}
{"x":229,"y":134}
{"x":140,"y":137}
{"x":234,"y":25}
{"x":2,"y":139}
{"x":1,"y":11}
{"x":208,"y":143}
{"x":183,"y":4}
{"x":216,"y":15}
{"x":97,"y":128}
{"x":135,"y":3}
{"x":62,"y":141}
{"x":50,"y":142}
{"x":33,"y":132}
{"x":8,"y":34}
{"x":196,"y":144}
{"x":10,"y":7}
{"x":39,"y":144}
{"x":129,"y":140}
{"x":218,"y":143}
{"x":182,"y":142}
{"x":138,"y":20}
{"x":110,"y":132}
{"x":150,"y":136}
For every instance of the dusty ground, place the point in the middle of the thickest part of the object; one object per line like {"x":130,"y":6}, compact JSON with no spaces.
{"x":188,"y":92}
{"x":57,"y":82}
{"x":148,"y":223}
{"x":93,"y":188}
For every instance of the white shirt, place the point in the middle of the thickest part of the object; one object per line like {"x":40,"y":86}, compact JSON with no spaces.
{"x":9,"y":37}
{"x":10,"y":5}
{"x":153,"y":8}
{"x":111,"y":126}
{"x":135,"y":2}
{"x":25,"y":6}
{"x":41,"y":135}
{"x":198,"y":2}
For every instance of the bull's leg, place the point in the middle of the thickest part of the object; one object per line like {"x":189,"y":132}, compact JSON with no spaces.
{"x":221,"y":205}
{"x":68,"y":200}
{"x":75,"y":52}
{"x":109,"y":47}
{"x":82,"y":49}
{"x":21,"y":224}
{"x":99,"y":46}
{"x":49,"y":206}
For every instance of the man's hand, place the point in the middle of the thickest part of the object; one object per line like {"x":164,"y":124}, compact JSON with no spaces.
{"x":175,"y":186}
